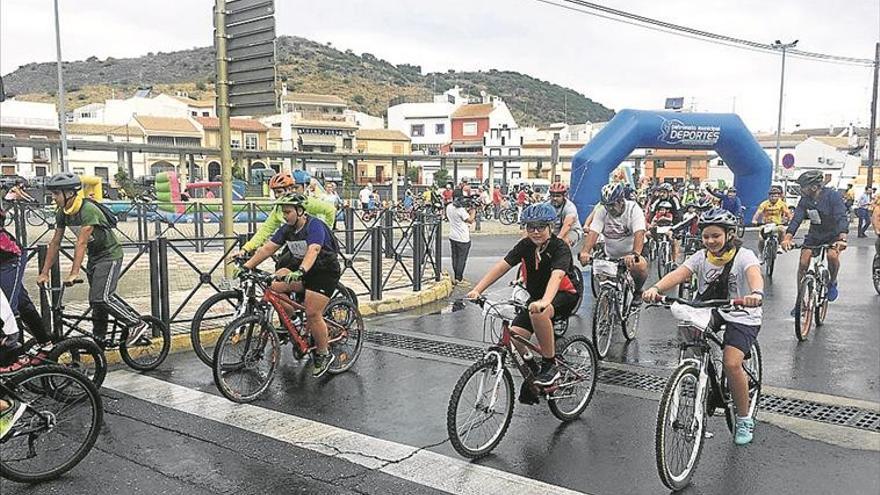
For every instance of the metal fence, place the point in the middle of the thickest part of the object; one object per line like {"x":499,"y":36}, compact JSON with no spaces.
{"x":170,"y":274}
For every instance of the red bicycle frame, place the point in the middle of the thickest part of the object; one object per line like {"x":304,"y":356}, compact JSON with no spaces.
{"x":278,"y":301}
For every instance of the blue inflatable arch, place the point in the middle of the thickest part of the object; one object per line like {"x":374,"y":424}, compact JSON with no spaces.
{"x":630,"y":129}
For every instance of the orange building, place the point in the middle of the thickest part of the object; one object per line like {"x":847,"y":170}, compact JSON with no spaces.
{"x":675,"y":164}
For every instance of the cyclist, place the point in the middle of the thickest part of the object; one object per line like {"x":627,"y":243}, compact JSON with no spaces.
{"x":545,"y":265}
{"x":825,"y":209}
{"x":725,"y":271}
{"x":729,"y":201}
{"x":310,"y":264}
{"x":665,"y":193}
{"x":772,"y":210}
{"x":95,"y":235}
{"x":622,"y":223}
{"x":282,"y":184}
{"x":662,"y":217}
{"x":568,"y":227}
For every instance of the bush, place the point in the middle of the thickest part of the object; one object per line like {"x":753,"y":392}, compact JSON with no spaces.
{"x":358,"y":99}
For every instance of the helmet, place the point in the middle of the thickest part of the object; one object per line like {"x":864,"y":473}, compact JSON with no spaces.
{"x":281,"y":180}
{"x":301,"y":177}
{"x":664,"y":204}
{"x":539,"y":213}
{"x":666,"y":187}
{"x":558,"y":188}
{"x":65,"y":181}
{"x":731,"y":189}
{"x":691,"y":187}
{"x":703,"y":204}
{"x":292,"y":199}
{"x":719,"y":217}
{"x":612,"y":193}
{"x":811,"y":178}
{"x":775,"y":189}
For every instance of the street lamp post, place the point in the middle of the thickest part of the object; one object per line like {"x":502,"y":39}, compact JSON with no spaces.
{"x":778,"y":45}
{"x":62,"y":112}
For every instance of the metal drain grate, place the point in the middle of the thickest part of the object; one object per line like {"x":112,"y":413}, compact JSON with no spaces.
{"x":852,"y":417}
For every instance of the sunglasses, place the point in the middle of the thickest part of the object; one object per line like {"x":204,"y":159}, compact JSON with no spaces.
{"x":535,"y":228}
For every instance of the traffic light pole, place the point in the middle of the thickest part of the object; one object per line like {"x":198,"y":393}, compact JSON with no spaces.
{"x":872,"y":135}
{"x":225,"y":134}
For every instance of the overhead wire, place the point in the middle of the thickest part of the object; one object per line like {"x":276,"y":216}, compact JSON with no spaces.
{"x":621,"y":16}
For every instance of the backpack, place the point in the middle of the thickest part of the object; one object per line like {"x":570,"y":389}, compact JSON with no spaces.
{"x":111,"y":218}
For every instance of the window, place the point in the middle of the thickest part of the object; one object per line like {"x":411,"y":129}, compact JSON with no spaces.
{"x":8,"y":169}
{"x":346,"y":144}
{"x":79,"y":171}
{"x":236,"y":144}
{"x":469,"y":129}
{"x":514,"y":151}
{"x":397,"y":148}
{"x":41,"y":154}
{"x":250,"y":141}
{"x":103,"y":173}
{"x":206,"y":114}
{"x":495,"y":152}
{"x":40,"y":171}
{"x":417,"y":130}
{"x":439,"y":129}
{"x":194,"y":113}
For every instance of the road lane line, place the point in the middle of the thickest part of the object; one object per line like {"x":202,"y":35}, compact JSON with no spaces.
{"x":402,"y":461}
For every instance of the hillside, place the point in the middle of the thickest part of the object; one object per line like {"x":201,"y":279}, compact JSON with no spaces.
{"x":365,"y":81}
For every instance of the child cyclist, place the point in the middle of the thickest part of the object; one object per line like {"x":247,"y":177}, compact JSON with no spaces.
{"x":725,"y":271}
{"x":309,"y":263}
{"x":545,"y":262}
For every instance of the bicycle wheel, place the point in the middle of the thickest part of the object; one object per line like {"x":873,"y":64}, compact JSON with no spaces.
{"x":594,"y":284}
{"x":662,"y":259}
{"x":245,"y":358}
{"x":480,"y":408}
{"x":804,"y":308}
{"x":346,"y":324}
{"x":579,"y":369}
{"x":578,"y":281}
{"x":630,"y":324}
{"x":210,"y":319}
{"x":35,"y":218}
{"x":754,"y":368}
{"x":877,"y":273}
{"x":148,"y":352}
{"x":61,"y":422}
{"x":769,"y":258}
{"x":678,"y":441}
{"x":604,"y":314}
{"x":821,"y":307}
{"x":82,"y":355}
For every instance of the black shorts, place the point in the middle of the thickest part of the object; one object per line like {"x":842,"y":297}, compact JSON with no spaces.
{"x":740,"y":336}
{"x":321,"y":281}
{"x":563,"y":305}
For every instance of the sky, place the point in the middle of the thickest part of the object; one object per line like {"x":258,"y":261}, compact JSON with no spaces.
{"x":618,"y":65}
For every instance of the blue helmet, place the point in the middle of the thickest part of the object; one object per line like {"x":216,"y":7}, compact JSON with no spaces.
{"x":612,"y":193}
{"x":301,"y":177}
{"x":539,"y":213}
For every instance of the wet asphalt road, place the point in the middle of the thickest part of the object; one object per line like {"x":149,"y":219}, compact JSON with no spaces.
{"x":401,"y":397}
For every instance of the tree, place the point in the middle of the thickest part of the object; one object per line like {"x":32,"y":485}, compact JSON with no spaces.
{"x":441,"y":177}
{"x":412,"y":174}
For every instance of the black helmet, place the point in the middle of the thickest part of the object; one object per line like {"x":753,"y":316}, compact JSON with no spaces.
{"x":719,"y":217}
{"x":811,"y":178}
{"x":65,"y":181}
{"x":775,"y":189}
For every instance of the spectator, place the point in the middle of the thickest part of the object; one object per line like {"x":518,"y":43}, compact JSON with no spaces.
{"x":465,"y":187}
{"x":862,"y":212}
{"x":459,"y":234}
{"x":365,"y":195}
{"x":497,"y":199}
{"x":333,"y":197}
{"x":447,"y":194}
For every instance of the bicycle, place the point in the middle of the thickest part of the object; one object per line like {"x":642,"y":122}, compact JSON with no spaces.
{"x":665,"y":263}
{"x":688,"y":289}
{"x":490,"y":383}
{"x":146,"y":354}
{"x":252,"y":341}
{"x":811,"y":306}
{"x":741,"y":223}
{"x":225,"y":306}
{"x":62,"y":418}
{"x":769,"y":232}
{"x":876,"y":267}
{"x":695,"y":390}
{"x":614,"y":303}
{"x":509,"y":215}
{"x":80,"y":354}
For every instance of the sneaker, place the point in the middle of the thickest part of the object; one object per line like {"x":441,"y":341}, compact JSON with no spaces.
{"x":779,"y":251}
{"x":135,"y":333}
{"x":526,"y":396}
{"x":832,"y":291}
{"x":534,"y":367}
{"x":322,"y":363}
{"x":793,"y":312}
{"x":548,"y":374}
{"x":10,"y":416}
{"x":744,"y":431}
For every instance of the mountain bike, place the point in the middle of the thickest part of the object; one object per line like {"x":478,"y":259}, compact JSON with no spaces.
{"x":690,"y":244}
{"x":481,"y":405}
{"x":225,"y":306}
{"x":61,"y":421}
{"x":811,"y":306}
{"x":665,"y":263}
{"x":696,"y":389}
{"x":614,"y":304}
{"x":146,"y":354}
{"x":741,"y":223}
{"x":80,"y":354}
{"x":770,"y":233}
{"x":247,"y":352}
{"x":509,"y":215}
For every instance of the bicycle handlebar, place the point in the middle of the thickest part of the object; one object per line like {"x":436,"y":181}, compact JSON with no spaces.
{"x":712,"y":303}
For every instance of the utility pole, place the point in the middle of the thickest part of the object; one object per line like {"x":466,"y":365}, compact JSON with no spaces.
{"x":872,"y":135}
{"x":225,"y":135}
{"x":780,"y":46}
{"x":62,"y":111}
{"x":554,"y":156}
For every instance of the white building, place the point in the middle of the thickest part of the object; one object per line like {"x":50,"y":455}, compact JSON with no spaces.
{"x":27,"y":120}
{"x":837,"y":157}
{"x":364,"y":120}
{"x":120,"y":112}
{"x":501,"y":142}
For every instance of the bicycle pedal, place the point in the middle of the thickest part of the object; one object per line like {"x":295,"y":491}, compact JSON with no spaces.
{"x":708,"y":435}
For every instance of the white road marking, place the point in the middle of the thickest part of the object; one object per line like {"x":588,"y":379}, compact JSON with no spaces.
{"x":402,"y":461}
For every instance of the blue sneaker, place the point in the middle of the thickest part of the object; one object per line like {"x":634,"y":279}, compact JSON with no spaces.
{"x":744,"y":431}
{"x":832,"y":291}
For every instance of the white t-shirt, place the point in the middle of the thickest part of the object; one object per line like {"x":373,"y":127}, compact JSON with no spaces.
{"x":619,"y":232}
{"x":458,"y":228}
{"x":738,"y":284}
{"x":7,"y":318}
{"x":365,"y":195}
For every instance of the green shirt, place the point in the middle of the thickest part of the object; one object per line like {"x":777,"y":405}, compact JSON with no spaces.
{"x":314,"y":207}
{"x":103,"y":245}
